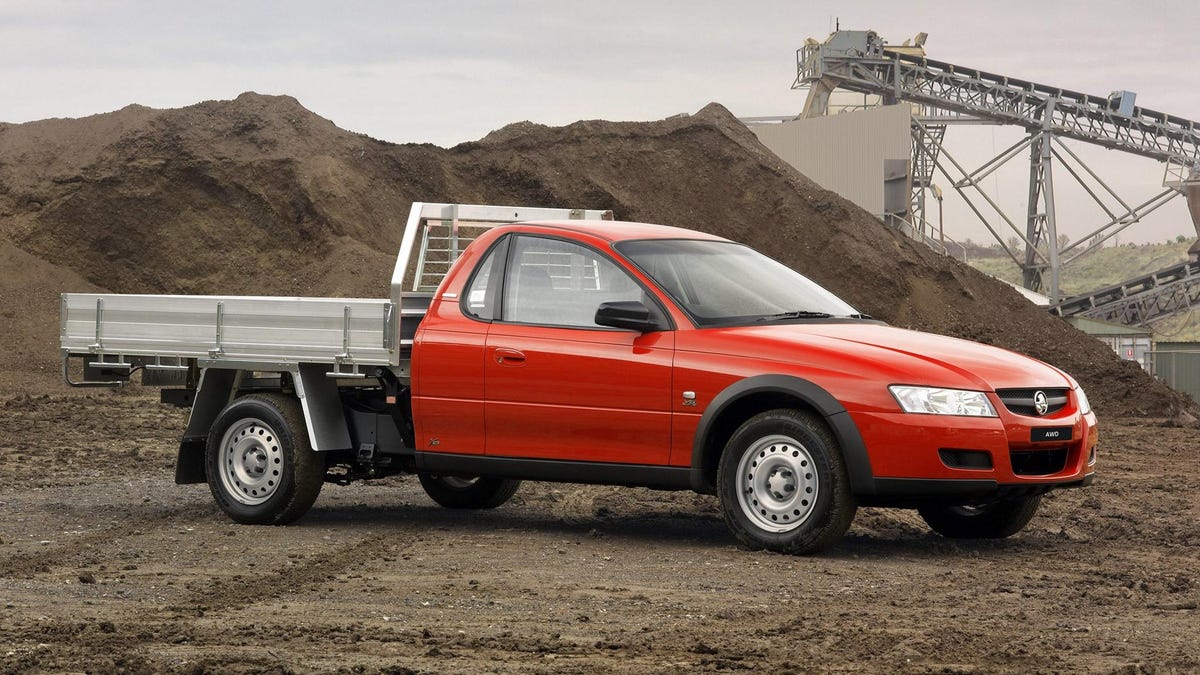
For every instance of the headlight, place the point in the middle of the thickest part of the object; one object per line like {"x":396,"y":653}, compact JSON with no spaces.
{"x":1085,"y":406}
{"x":936,"y":401}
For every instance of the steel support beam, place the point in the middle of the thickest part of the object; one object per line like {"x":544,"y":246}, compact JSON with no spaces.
{"x":1041,"y":224}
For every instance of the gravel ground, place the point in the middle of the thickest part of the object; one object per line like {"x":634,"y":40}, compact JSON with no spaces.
{"x":107,"y":566}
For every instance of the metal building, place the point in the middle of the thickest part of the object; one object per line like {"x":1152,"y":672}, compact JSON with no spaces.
{"x":1178,"y":364}
{"x":1130,"y":343}
{"x":862,"y":155}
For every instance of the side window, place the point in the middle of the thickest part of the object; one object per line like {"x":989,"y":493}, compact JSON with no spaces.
{"x":559,"y":283}
{"x":480,"y":299}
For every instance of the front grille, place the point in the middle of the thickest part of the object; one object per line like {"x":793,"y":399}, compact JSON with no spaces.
{"x":1020,"y":401}
{"x":1038,"y":462}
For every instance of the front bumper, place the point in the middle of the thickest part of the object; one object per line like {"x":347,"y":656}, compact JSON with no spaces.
{"x":920,"y":458}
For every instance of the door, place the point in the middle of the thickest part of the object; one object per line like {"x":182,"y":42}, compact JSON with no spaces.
{"x":559,"y":386}
{"x":448,"y":392}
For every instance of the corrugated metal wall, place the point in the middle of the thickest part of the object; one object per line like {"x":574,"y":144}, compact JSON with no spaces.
{"x":1178,"y":364}
{"x":844,"y":153}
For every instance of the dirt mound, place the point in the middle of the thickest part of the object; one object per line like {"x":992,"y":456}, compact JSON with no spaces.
{"x":259,"y":195}
{"x":29,"y":297}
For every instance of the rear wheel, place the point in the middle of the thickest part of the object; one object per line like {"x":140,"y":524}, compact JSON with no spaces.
{"x":261,"y":468}
{"x":468,"y":492}
{"x":783,"y":484}
{"x":995,"y":520}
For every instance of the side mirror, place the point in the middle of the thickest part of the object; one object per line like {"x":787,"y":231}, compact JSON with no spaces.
{"x":628,"y":314}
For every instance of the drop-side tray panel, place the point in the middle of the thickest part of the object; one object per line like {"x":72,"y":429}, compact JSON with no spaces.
{"x":236,"y":328}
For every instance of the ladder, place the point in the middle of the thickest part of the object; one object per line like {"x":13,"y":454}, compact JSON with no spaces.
{"x":441,"y":232}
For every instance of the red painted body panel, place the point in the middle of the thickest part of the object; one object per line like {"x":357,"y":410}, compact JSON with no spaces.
{"x":617,"y":396}
{"x":447,"y":399}
{"x":906,"y":446}
{"x":579,"y":394}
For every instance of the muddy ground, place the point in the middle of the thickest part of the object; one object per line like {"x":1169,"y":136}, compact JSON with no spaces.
{"x":107,"y":566}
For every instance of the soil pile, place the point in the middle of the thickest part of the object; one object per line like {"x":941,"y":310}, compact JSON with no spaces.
{"x":260,"y":196}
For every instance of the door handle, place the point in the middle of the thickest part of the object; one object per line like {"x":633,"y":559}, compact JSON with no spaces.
{"x":509,"y":357}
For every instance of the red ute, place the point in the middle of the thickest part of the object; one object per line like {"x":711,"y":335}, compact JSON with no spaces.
{"x":634,"y":354}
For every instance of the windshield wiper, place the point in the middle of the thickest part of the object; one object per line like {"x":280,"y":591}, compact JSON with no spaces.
{"x":860,"y":316}
{"x":798,"y":314}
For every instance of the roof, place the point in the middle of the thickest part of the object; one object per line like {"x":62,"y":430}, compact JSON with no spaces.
{"x":1097,"y":327}
{"x":1032,"y":296}
{"x":620,"y":230}
{"x":1178,"y":346}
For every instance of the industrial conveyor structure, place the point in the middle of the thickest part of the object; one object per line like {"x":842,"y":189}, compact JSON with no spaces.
{"x":949,"y":94}
{"x":1141,"y":301}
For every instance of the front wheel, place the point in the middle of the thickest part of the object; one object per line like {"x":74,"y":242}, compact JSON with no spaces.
{"x":261,"y":468}
{"x":473,"y":492}
{"x":783,"y":485}
{"x":995,"y":520}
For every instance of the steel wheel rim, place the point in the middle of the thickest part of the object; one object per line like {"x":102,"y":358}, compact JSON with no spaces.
{"x":777,"y":483}
{"x":250,"y":462}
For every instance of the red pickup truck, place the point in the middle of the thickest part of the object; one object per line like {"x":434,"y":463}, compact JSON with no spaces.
{"x":594,"y":351}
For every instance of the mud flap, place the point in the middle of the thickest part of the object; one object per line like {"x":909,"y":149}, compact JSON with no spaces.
{"x":212,"y":395}
{"x":327,"y":429}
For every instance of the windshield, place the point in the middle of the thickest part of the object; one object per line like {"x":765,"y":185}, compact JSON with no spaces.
{"x":723,"y":283}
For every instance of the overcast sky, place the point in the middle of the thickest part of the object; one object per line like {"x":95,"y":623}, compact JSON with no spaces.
{"x":450,"y":71}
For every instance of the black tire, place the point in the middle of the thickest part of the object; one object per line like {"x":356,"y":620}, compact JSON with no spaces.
{"x":462,"y":492}
{"x":260,"y":465}
{"x":996,"y":520}
{"x":783,"y":485}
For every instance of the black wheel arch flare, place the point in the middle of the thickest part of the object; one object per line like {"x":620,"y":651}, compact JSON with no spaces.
{"x":716,"y":420}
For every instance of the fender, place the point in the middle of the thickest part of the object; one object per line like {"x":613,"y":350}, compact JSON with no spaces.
{"x":318,"y":394}
{"x":854,"y":450}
